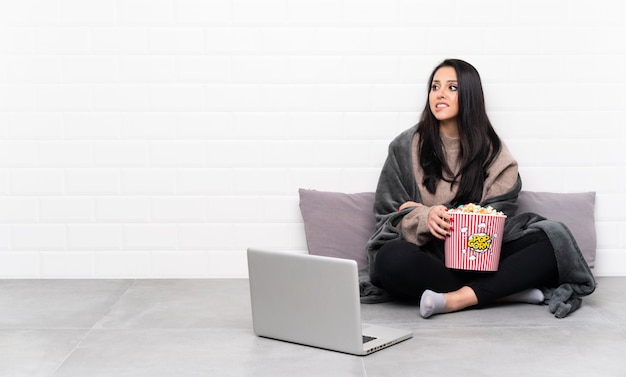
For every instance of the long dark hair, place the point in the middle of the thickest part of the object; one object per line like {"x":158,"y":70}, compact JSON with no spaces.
{"x":480,"y":144}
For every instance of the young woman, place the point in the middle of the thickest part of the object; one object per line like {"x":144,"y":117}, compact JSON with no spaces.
{"x":453,"y":157}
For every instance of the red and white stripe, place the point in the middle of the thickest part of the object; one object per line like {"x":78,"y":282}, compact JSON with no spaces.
{"x":459,"y":253}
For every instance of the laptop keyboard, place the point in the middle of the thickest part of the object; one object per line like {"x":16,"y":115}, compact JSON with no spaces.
{"x":368,"y":338}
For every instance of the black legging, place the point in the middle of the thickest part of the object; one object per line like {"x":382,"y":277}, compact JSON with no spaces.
{"x":405,"y":270}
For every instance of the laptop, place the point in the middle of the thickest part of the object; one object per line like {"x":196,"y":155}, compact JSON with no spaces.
{"x":314,"y":301}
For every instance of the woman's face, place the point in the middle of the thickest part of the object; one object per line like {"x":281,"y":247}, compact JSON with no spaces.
{"x":443,"y":96}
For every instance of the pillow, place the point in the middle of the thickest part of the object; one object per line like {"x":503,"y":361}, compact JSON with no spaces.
{"x":337,"y":224}
{"x":576,"y":210}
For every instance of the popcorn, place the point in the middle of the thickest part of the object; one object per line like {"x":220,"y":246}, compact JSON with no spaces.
{"x":475,"y":208}
{"x":476,"y":240}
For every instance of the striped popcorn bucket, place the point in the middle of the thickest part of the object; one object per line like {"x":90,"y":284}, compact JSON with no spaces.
{"x":475,"y":242}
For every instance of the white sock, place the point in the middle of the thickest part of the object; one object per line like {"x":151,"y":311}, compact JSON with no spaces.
{"x":432,"y":303}
{"x":529,"y":296}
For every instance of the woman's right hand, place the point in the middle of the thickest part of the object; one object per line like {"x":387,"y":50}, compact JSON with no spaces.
{"x":439,"y":222}
{"x":409,"y":204}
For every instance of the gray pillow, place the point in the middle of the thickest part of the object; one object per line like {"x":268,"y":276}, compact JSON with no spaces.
{"x":337,"y":224}
{"x":576,"y":210}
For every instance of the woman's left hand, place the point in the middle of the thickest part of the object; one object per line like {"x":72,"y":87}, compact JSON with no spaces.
{"x":439,"y":222}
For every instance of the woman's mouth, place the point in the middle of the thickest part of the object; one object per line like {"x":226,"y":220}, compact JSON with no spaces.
{"x":441,"y":106}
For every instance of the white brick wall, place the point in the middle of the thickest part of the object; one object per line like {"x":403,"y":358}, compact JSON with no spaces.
{"x":161,"y":138}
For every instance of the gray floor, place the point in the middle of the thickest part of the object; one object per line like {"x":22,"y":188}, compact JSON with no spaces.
{"x":204,"y":328}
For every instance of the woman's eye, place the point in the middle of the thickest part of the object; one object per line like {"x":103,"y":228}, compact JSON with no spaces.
{"x":434,"y":87}
{"x":454,"y":88}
